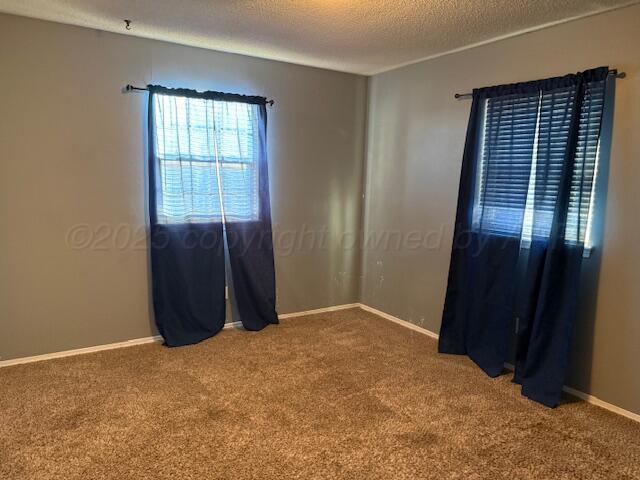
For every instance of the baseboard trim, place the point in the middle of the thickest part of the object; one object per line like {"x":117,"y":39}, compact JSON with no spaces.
{"x":80,"y":351}
{"x":602,"y":404}
{"x":335,"y":308}
{"x":151,"y":339}
{"x":571,"y":391}
{"x":399,"y":321}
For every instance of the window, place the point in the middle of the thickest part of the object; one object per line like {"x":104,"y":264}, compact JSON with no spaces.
{"x":522,"y":154}
{"x":207,"y":160}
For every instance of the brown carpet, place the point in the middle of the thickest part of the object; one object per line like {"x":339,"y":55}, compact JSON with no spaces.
{"x":345,"y":395}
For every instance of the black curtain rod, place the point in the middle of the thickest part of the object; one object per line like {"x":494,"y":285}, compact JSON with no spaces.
{"x":613,"y":73}
{"x":131,"y":88}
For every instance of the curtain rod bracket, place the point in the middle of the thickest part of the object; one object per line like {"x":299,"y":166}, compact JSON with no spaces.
{"x":131,"y":88}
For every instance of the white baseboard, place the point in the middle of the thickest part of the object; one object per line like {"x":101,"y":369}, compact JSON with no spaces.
{"x":601,"y":403}
{"x":571,"y":391}
{"x":152,"y":339}
{"x":80,"y":351}
{"x":404,"y":323}
{"x":229,"y":325}
{"x":335,"y":308}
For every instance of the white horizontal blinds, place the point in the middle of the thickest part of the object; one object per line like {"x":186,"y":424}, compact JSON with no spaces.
{"x":556,"y":108}
{"x":192,"y":134}
{"x":586,"y":164}
{"x":188,"y":192}
{"x":507,"y":150}
{"x":237,"y":145}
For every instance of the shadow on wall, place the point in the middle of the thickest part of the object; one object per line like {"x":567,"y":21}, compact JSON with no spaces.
{"x":393,"y":180}
{"x":581,"y":361}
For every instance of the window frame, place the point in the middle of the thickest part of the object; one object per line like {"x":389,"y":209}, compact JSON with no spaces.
{"x":213,"y":159}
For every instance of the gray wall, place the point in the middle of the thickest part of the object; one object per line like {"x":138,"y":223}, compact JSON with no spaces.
{"x":72,"y":154}
{"x":416,"y":134}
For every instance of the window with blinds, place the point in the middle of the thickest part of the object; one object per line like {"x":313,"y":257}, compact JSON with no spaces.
{"x":206,"y":156}
{"x":523,"y":150}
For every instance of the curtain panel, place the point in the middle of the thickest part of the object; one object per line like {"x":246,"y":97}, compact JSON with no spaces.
{"x":522,"y":221}
{"x":208,"y":187}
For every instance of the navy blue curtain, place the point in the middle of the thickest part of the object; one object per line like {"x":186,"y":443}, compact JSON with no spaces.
{"x":207,"y":178}
{"x":188,"y":281}
{"x":251,"y":249}
{"x":521,"y":224}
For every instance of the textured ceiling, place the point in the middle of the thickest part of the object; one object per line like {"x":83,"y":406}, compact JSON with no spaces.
{"x":360,"y":36}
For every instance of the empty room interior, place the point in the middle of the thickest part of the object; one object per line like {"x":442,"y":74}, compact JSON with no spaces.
{"x":320,"y":239}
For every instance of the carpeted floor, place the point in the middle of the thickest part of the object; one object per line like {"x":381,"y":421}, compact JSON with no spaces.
{"x":344,"y":395}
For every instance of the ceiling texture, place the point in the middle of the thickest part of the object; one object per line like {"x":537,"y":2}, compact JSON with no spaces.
{"x":357,"y":36}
